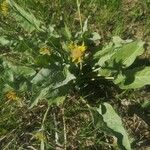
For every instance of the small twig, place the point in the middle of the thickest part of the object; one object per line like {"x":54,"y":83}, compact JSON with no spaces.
{"x":42,"y":128}
{"x":44,"y":118}
{"x":64,"y":126}
{"x":56,"y":134}
{"x":31,"y":147}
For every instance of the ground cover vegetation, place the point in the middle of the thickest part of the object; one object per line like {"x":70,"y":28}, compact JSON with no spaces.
{"x":74,"y":74}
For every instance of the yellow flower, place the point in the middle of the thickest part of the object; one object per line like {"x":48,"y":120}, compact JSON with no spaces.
{"x":77,"y":52}
{"x":5,"y":7}
{"x":45,"y":51}
{"x":39,"y":135}
{"x":11,"y":95}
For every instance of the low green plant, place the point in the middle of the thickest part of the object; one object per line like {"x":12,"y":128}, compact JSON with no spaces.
{"x":41,"y":62}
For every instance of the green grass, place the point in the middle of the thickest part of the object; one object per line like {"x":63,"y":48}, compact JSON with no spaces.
{"x":128,"y":19}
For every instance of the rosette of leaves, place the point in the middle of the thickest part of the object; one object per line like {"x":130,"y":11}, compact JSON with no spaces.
{"x":52,"y":76}
{"x":116,"y":61}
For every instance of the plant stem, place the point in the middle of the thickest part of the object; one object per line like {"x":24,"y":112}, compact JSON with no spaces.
{"x":42,"y":128}
{"x":79,"y":13}
{"x":44,"y":118}
{"x":56,"y":134}
{"x":64,"y":125}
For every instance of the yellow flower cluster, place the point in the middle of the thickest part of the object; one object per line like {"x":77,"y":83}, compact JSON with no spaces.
{"x":5,"y":7}
{"x":45,"y":51}
{"x":11,"y":95}
{"x":40,"y":136}
{"x":77,"y":52}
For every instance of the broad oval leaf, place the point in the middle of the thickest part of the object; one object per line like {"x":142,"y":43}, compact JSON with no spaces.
{"x":127,"y":54}
{"x":114,"y":125}
{"x":134,"y":78}
{"x":27,"y":20}
{"x":18,"y":69}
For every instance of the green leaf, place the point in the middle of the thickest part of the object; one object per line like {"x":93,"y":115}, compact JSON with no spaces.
{"x":68,"y":33}
{"x":112,"y":124}
{"x":25,"y":71}
{"x":57,"y":101}
{"x":95,"y":37}
{"x":104,"y":72}
{"x":4,"y":41}
{"x":42,"y":94}
{"x":25,"y":19}
{"x":104,"y":56}
{"x":23,"y":86}
{"x":51,"y":81}
{"x":42,"y":146}
{"x":52,"y":32}
{"x":112,"y":58}
{"x":134,"y":78}
{"x":127,"y":54}
{"x":41,"y":75}
{"x":85,"y":26}
{"x":68,"y":77}
{"x":146,"y":104}
{"x":18,"y":69}
{"x":118,"y":42}
{"x":8,"y":76}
